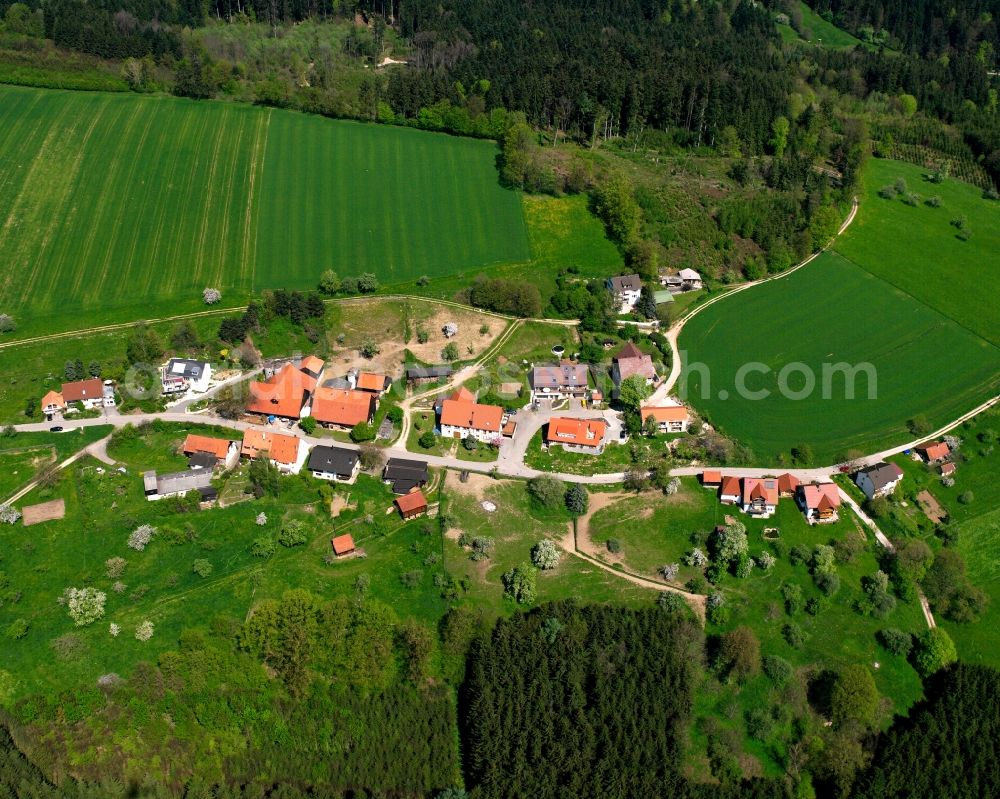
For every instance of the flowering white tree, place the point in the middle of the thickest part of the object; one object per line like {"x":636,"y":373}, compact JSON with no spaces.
{"x":765,"y":560}
{"x":114,"y":629}
{"x":695,"y":558}
{"x":670,"y":571}
{"x":144,"y":631}
{"x":141,"y":536}
{"x":715,"y":600}
{"x":118,"y":587}
{"x":9,"y":514}
{"x":544,"y":555}
{"x":731,"y":542}
{"x":673,"y":486}
{"x":261,"y":519}
{"x":85,"y":605}
{"x":114,"y":567}
{"x":211,"y":296}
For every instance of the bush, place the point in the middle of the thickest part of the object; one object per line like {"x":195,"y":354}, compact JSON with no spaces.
{"x":482,"y":547}
{"x":85,"y":605}
{"x":427,"y":439}
{"x":827,"y":582}
{"x":114,"y":568}
{"x":545,"y":555}
{"x":17,"y":629}
{"x":778,"y":670}
{"x":9,"y":514}
{"x":793,"y":635}
{"x":450,"y":352}
{"x":211,"y":296}
{"x":470,"y":444}
{"x":263,"y":547}
{"x":547,"y":492}
{"x":895,"y":641}
{"x":293,"y":533}
{"x":363,"y":431}
{"x":614,"y":546}
{"x":308,"y":425}
{"x":141,"y":536}
{"x":577,"y":499}
{"x":671,"y":602}
{"x":7,"y":323}
{"x":934,"y":650}
{"x":201,"y":567}
{"x":966,"y":497}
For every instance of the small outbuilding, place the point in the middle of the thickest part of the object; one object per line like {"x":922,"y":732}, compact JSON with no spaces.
{"x":412,"y":505}
{"x":342,"y":545}
{"x":711,"y":479}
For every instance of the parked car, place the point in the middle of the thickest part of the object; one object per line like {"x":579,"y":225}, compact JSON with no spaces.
{"x":56,"y":429}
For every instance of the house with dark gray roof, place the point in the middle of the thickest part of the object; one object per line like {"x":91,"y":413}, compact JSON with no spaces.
{"x":404,"y":474}
{"x":427,"y":374}
{"x":339,"y":464}
{"x":559,"y":382}
{"x":176,"y":484}
{"x":878,"y":480}
{"x":626,"y":289}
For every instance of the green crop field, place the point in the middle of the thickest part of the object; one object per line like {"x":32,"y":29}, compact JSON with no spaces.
{"x":828,"y":312}
{"x":117,"y":206}
{"x":917,"y":248}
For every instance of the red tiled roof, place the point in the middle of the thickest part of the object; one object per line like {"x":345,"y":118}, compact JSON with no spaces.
{"x":934,"y":451}
{"x":342,"y":544}
{"x":581,"y":432}
{"x":730,"y":486}
{"x":216,"y":446}
{"x":53,"y":398}
{"x":312,"y":363}
{"x":814,"y":492}
{"x":947,"y":468}
{"x":342,"y":406}
{"x":462,"y":394}
{"x":470,"y":415}
{"x":629,"y":351}
{"x":765,"y":488}
{"x":83,"y":390}
{"x":711,"y":478}
{"x":369,"y":381}
{"x":283,"y":394}
{"x":787,"y":483}
{"x":280,"y":448}
{"x":412,"y":502}
{"x":668,"y":413}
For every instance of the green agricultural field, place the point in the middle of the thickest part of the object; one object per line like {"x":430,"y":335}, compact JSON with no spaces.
{"x":829,"y":312}
{"x":117,"y":206}
{"x":918,"y":249}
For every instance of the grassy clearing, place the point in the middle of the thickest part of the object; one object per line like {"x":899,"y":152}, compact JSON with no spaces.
{"x":194,"y":194}
{"x":824,"y":33}
{"x":829,"y":312}
{"x":979,"y":544}
{"x":917,"y":249}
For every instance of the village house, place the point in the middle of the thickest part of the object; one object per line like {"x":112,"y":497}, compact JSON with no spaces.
{"x":285,"y":393}
{"x":760,"y":496}
{"x":819,"y":502}
{"x":89,"y":393}
{"x":567,"y":380}
{"x":285,"y":452}
{"x":711,"y":479}
{"x":178,"y":484}
{"x":405,"y":474}
{"x":933,"y":451}
{"x":220,"y":450}
{"x":337,"y":464}
{"x":412,"y":504}
{"x":343,"y":408}
{"x":878,"y":480}
{"x":629,"y":361}
{"x":342,"y":545}
{"x":461,"y":417}
{"x":729,"y":491}
{"x":181,"y":374}
{"x":577,"y":435}
{"x":788,"y":484}
{"x":669,"y":418}
{"x":626,"y":290}
{"x":370,"y":382}
{"x":684,"y":280}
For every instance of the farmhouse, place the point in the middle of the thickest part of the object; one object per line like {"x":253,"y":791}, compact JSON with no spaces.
{"x":788,"y":484}
{"x":934,"y":451}
{"x":284,"y":393}
{"x":711,"y":479}
{"x":223,"y":451}
{"x":89,"y":393}
{"x":342,"y":545}
{"x":285,"y":452}
{"x":629,"y":361}
{"x":421,"y":375}
{"x":461,"y":416}
{"x":337,"y":464}
{"x":760,"y":496}
{"x":559,"y":382}
{"x":669,"y":419}
{"x":577,"y":435}
{"x":344,"y":408}
{"x":177,"y":484}
{"x":181,"y":374}
{"x":729,"y":491}
{"x":412,"y":504}
{"x":879,"y":480}
{"x":626,"y":290}
{"x":819,"y":502}
{"x":404,"y":474}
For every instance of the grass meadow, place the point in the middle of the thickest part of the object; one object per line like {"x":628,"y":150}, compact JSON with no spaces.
{"x":833,"y":311}
{"x":117,"y":206}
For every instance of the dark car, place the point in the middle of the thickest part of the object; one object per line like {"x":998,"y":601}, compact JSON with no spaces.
{"x":56,"y":429}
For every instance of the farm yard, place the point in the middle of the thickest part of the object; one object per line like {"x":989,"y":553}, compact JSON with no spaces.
{"x":833,"y":311}
{"x":132,"y":205}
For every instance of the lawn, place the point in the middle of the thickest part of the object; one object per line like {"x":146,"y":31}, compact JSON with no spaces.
{"x":832,"y":311}
{"x":165,"y":196}
{"x":917,"y":249}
